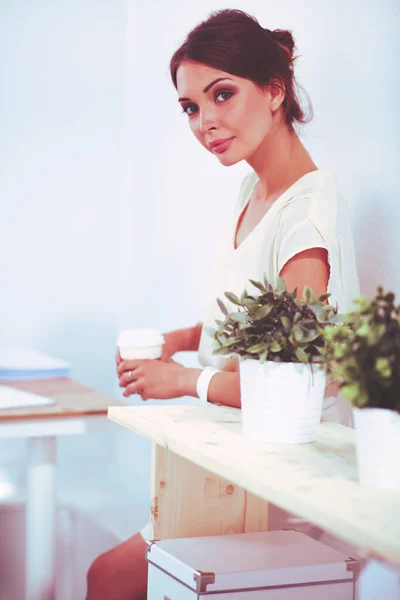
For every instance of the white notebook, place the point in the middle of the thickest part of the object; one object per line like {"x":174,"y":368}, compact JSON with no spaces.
{"x":27,"y":359}
{"x":21,"y":364}
{"x":12,"y":398}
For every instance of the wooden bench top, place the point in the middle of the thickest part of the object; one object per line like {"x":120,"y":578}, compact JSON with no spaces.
{"x":316,"y":481}
{"x":72,"y":399}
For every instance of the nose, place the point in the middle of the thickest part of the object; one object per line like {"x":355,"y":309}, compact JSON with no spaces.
{"x":207,"y":120}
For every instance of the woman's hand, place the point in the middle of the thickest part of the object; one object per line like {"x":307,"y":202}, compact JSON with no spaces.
{"x":156,"y":379}
{"x":172,"y":344}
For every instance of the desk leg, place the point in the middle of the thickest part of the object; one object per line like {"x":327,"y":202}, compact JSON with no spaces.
{"x":189,"y":501}
{"x":40,"y":520}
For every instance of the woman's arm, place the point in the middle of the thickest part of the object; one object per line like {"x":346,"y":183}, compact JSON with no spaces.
{"x":224,"y":387}
{"x":181,"y":340}
{"x":309,"y":268}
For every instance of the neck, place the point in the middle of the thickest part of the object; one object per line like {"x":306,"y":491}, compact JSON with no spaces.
{"x":279,"y":161}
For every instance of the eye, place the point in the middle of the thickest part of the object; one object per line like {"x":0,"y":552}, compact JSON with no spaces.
{"x":224,"y":94}
{"x":189,"y":109}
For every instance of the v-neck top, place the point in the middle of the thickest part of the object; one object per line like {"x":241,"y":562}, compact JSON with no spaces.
{"x":311,"y":213}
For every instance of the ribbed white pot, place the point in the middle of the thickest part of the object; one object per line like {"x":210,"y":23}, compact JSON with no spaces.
{"x":281,"y":402}
{"x":378,"y":447}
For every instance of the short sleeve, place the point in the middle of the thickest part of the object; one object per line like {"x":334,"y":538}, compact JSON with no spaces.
{"x":297,"y":237}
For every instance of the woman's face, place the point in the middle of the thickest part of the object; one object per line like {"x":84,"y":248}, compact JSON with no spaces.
{"x":225,"y":108}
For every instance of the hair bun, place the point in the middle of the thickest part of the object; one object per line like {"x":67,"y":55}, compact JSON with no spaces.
{"x":284,"y":39}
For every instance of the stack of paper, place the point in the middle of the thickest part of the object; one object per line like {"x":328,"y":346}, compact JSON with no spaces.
{"x":21,"y":364}
{"x":11,"y":398}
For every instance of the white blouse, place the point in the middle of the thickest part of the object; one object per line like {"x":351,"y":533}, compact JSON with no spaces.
{"x":311,"y":213}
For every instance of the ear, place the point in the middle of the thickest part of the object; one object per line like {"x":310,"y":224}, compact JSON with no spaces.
{"x":278,"y":92}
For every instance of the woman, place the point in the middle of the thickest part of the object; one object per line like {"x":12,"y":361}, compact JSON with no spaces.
{"x":235,"y":82}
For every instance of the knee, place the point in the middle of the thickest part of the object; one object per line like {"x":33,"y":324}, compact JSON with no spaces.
{"x":98,"y":578}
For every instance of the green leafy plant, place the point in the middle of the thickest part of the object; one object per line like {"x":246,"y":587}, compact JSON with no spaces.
{"x":273,"y":324}
{"x":363,"y":353}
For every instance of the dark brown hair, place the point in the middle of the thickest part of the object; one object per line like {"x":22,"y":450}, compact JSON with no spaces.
{"x":234,"y":42}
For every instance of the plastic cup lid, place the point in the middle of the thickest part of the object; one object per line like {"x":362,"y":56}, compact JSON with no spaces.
{"x":140,"y":338}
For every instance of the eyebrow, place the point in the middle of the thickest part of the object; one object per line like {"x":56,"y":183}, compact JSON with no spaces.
{"x":208,"y":87}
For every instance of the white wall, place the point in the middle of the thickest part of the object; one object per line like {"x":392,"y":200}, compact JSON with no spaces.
{"x":61,"y":100}
{"x":110,"y":209}
{"x":61,"y":118}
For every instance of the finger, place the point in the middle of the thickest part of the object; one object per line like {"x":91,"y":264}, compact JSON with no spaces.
{"x":134,"y":388}
{"x":172,"y":361}
{"x":128,"y":365}
{"x":130,"y":376}
{"x":118,"y":358}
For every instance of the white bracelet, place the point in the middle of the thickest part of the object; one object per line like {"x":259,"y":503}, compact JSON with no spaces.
{"x":203,"y":382}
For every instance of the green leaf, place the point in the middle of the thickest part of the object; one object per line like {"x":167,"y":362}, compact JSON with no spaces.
{"x":286,"y":322}
{"x":324,"y":297}
{"x":301,"y":355}
{"x":352,"y":392}
{"x":258,"y":285}
{"x":309,"y":295}
{"x":298,"y":333}
{"x":231,"y":341}
{"x":240,"y":317}
{"x":222,"y":351}
{"x":275,"y":346}
{"x":294,"y":293}
{"x":382,"y":366}
{"x":222,"y":307}
{"x":321,"y":313}
{"x":267,"y":285}
{"x":363,"y":331}
{"x":249,"y":303}
{"x":233,"y":298}
{"x":263,"y":312}
{"x":210,"y":331}
{"x":280,"y":284}
{"x":256,"y":349}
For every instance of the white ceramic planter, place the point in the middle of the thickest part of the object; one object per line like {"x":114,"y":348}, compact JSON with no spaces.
{"x":281,"y":402}
{"x":378,"y":447}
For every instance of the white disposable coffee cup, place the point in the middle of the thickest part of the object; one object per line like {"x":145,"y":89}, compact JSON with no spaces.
{"x":137,"y":344}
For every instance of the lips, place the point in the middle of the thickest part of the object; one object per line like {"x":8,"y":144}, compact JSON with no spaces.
{"x":220,"y":146}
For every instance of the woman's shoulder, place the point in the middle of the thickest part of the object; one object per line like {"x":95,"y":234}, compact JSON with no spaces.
{"x":328,"y":204}
{"x":315,"y":196}
{"x":318,"y":183}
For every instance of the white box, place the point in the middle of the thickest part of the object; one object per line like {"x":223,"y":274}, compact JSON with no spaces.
{"x":270,"y":565}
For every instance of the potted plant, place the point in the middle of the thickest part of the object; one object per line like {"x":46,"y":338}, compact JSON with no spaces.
{"x":278,"y":339}
{"x":363,"y":355}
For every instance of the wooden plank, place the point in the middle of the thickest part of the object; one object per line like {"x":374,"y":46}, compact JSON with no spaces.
{"x":316,"y":481}
{"x":256,"y":513}
{"x":72,"y":400}
{"x":189,"y":501}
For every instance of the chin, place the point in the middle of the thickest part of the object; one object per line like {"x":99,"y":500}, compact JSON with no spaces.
{"x":229,"y":161}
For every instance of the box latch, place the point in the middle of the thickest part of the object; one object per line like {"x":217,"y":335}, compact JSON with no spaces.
{"x":150,"y":543}
{"x":353,"y":565}
{"x":202,"y":580}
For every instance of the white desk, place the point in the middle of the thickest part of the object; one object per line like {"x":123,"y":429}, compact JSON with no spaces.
{"x":78,"y":410}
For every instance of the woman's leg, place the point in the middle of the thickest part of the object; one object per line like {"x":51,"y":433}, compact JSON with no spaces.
{"x":120,"y":573}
